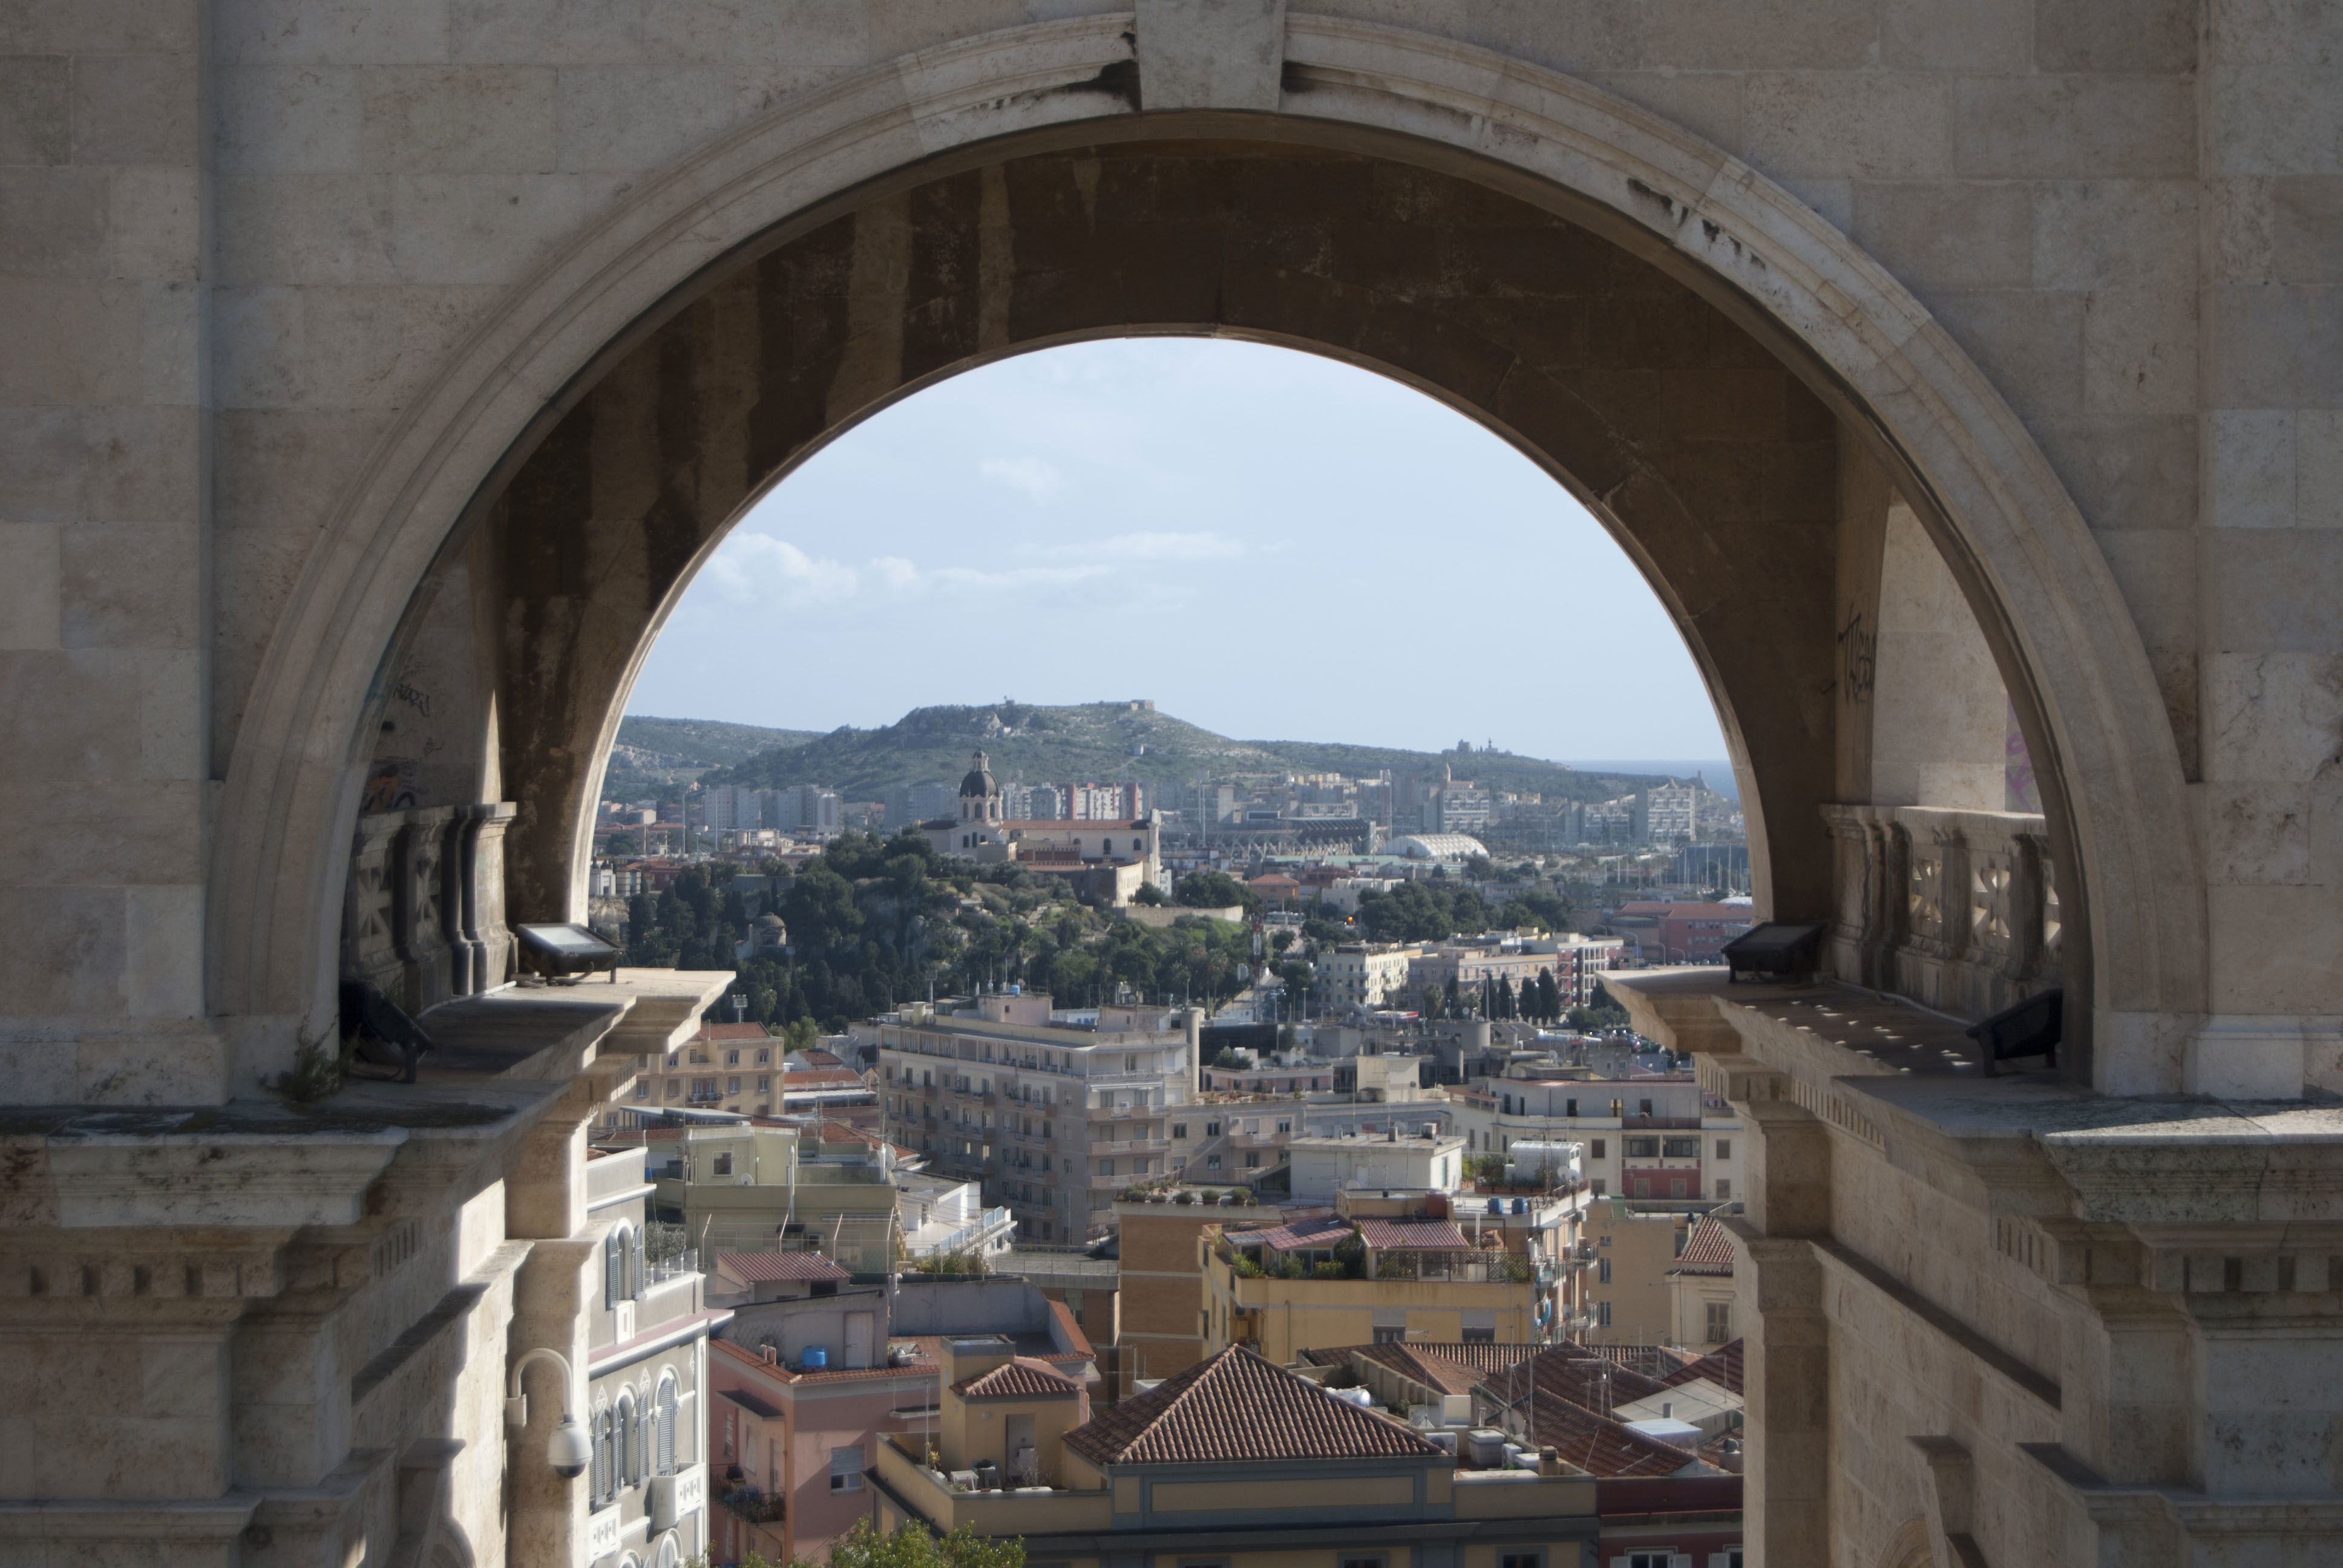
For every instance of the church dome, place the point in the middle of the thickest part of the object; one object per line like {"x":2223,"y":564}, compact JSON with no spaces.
{"x":978,"y":781}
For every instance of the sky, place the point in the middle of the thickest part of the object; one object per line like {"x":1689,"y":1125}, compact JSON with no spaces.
{"x":1268,"y":543}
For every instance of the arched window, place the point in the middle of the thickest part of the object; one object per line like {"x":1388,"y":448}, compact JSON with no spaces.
{"x":615,"y":1248}
{"x":603,"y":1485}
{"x":670,"y":1555}
{"x":630,"y":1448}
{"x":665,"y":1417}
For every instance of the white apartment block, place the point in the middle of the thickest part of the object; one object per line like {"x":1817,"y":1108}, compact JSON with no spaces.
{"x":1575,"y":962}
{"x":1364,"y":976}
{"x":1656,"y":1139}
{"x":1054,"y":1120}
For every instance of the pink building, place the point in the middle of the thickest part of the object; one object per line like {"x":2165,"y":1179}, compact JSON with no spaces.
{"x":792,"y":1429}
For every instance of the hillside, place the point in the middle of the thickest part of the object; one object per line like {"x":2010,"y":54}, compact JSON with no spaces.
{"x":654,"y":756}
{"x":1102,"y":741}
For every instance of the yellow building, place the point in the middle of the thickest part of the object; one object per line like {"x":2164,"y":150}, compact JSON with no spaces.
{"x":1700,"y":1289}
{"x":1335,"y":1281}
{"x":1626,"y":1298}
{"x":1234,"y":1461}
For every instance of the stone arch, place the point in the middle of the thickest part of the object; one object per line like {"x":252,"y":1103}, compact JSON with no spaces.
{"x":1853,"y":340}
{"x":1909,"y":1547}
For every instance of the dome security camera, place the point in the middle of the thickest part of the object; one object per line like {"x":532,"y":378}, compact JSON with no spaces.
{"x":570,"y":1452}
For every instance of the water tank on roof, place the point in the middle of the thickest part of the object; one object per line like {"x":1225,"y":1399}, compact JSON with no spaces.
{"x":1497,"y":1205}
{"x":814,"y":1358}
{"x":1521,"y":1205}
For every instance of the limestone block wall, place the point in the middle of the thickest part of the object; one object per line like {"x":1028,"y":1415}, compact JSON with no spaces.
{"x":106,"y":561}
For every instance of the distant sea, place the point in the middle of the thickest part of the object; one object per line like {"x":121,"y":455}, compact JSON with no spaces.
{"x":1719,"y":773}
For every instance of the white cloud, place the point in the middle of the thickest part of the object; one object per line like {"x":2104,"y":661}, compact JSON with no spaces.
{"x":1205,"y":547}
{"x":1015,"y":577}
{"x":758,"y":568}
{"x":1032,"y":475}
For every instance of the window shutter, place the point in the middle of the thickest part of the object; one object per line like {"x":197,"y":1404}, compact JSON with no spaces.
{"x":613,"y":1282}
{"x":635,"y":1264}
{"x":602,"y":1487}
{"x":667,"y":1413}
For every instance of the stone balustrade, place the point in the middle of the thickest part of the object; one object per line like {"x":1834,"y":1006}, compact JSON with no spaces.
{"x":423,"y":917}
{"x":1955,"y":910}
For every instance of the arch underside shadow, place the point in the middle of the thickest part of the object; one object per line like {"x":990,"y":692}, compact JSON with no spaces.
{"x":1711,"y":462}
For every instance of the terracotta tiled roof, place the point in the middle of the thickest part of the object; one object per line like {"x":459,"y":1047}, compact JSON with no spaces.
{"x":735,"y":1031}
{"x":1570,"y":1375}
{"x":1450,"y":1368}
{"x":1561,"y":1394}
{"x":1320,"y":1231}
{"x":1721,"y":1366}
{"x":1599,"y":1445}
{"x":810,"y":1080}
{"x":1020,"y":1378}
{"x":1415,"y":1235}
{"x":762,"y":1267}
{"x":1707,"y":1250}
{"x":1236,"y":1406}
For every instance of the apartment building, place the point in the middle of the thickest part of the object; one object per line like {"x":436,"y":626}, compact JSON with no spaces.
{"x":1053,"y":1119}
{"x":1656,"y":1139}
{"x":729,"y":1067}
{"x":805,"y":1388}
{"x":1360,"y":977}
{"x":1629,"y":1296}
{"x":646,"y":1370}
{"x":1336,"y":1280}
{"x":752,"y":1188}
{"x":1235,"y":1463}
{"x":1701,"y":1300}
{"x":741,"y":1071}
{"x":1674,"y":931}
{"x":1575,"y":962}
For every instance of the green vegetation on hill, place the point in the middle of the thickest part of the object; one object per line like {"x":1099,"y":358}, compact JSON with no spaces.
{"x":707,"y":741}
{"x":875,"y":921}
{"x":660,"y":757}
{"x":1104,"y":741}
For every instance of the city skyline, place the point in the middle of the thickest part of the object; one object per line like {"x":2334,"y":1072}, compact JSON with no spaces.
{"x":1063,"y":485}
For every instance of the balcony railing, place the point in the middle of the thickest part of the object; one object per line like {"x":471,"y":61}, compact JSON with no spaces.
{"x":1132,"y":1146}
{"x":755,"y":1505}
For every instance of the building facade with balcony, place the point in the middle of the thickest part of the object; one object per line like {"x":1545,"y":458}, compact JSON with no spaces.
{"x":645,"y":1375}
{"x":1051,"y":1119}
{"x":1332,"y":1280}
{"x":1655,"y":1139}
{"x":754,"y":1189}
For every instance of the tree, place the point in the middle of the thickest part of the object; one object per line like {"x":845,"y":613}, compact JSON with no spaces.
{"x":913,"y":1545}
{"x":1150,"y":895}
{"x":1212,"y":890}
